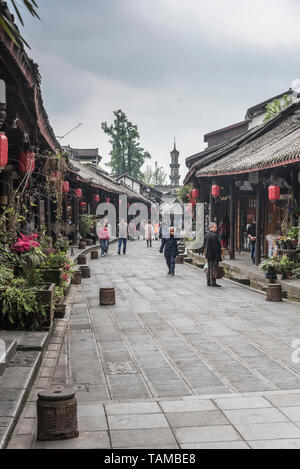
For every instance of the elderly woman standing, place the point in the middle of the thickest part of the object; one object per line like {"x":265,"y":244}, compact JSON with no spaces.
{"x":213,"y":254}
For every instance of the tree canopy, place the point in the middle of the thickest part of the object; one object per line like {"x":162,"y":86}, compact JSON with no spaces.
{"x":7,"y":23}
{"x":127,"y":156}
{"x":154,"y":177}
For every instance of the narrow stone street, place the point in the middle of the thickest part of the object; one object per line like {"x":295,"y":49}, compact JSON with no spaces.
{"x":174,"y":363}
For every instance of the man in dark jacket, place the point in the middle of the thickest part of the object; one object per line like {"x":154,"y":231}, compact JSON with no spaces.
{"x":251,"y":231}
{"x":213,"y":254}
{"x":170,"y":245}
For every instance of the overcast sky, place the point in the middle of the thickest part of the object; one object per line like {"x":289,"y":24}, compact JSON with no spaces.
{"x":175,"y":67}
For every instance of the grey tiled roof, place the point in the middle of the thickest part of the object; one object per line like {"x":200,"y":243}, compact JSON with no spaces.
{"x":272,"y":144}
{"x":88,"y":173}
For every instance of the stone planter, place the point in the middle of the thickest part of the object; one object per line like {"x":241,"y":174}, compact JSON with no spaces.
{"x":82,"y":245}
{"x":89,"y":242}
{"x":94,"y":255}
{"x":51,"y":275}
{"x":59,"y":311}
{"x":86,"y":271}
{"x":76,"y":280}
{"x":42,"y":321}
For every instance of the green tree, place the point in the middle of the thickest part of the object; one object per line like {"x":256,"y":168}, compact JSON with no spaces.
{"x":7,"y":23}
{"x":127,"y":156}
{"x":159,"y":176}
{"x":275,"y":106}
{"x":147,"y":176}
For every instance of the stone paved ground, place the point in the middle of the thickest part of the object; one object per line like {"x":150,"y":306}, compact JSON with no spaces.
{"x":174,"y":363}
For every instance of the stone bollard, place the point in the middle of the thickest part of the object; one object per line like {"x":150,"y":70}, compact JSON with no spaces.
{"x":76,"y":280}
{"x":86,"y":271}
{"x":90,"y":242}
{"x":94,"y":255}
{"x":179,"y":259}
{"x":274,"y":292}
{"x":81,"y":259}
{"x":57,"y":414}
{"x":107,"y":296}
{"x":82,"y":245}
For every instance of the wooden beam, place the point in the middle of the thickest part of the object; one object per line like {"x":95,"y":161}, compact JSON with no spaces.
{"x":232,"y":221}
{"x":259,"y":220}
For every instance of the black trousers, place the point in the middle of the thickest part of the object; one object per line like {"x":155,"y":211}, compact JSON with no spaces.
{"x":211,"y":279}
{"x":170,"y":260}
{"x":149,"y":243}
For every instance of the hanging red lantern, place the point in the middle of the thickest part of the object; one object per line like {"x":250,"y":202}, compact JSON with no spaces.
{"x":78,"y":193}
{"x":96,"y":198}
{"x":128,"y":205}
{"x":83,"y":204}
{"x":215,"y":191}
{"x":26,"y":161}
{"x":66,"y":186}
{"x":195,"y":194}
{"x":3,"y":150}
{"x":274,"y":195}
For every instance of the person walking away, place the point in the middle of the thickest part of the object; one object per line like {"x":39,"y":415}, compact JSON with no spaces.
{"x":104,"y":237}
{"x":170,"y":245}
{"x":251,"y":231}
{"x":224,"y":233}
{"x":123,"y":229}
{"x":213,"y":254}
{"x":149,"y":233}
{"x":132,"y":231}
{"x":108,"y":226}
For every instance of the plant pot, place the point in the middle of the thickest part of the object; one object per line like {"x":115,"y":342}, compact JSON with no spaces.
{"x":51,"y":275}
{"x":279,"y":276}
{"x":76,"y":280}
{"x":33,"y":320}
{"x":89,"y":242}
{"x":82,"y":245}
{"x":59,"y":311}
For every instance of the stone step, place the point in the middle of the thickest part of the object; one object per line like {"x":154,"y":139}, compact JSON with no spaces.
{"x":8,"y":349}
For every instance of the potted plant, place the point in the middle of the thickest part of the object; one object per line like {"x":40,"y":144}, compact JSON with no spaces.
{"x":60,"y":307}
{"x":287,"y":265}
{"x":269,"y":266}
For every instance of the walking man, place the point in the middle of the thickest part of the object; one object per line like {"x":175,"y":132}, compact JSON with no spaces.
{"x":123,"y":228}
{"x":213,"y":254}
{"x":170,"y":245}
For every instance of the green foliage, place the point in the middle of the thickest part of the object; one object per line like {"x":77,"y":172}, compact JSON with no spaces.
{"x":6,"y":22}
{"x":127,"y":156}
{"x":275,"y":106}
{"x":55,"y":261}
{"x":6,"y":275}
{"x":62,"y":244}
{"x":7,"y":258}
{"x":183,"y":192}
{"x":287,"y":265}
{"x":293,"y":233}
{"x":156,"y":177}
{"x":271,"y":266}
{"x":86,"y":222}
{"x":18,"y":305}
{"x":59,"y":295}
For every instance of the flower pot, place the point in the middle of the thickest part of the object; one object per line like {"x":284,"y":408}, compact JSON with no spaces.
{"x":51,"y":275}
{"x":82,"y":245}
{"x":279,"y":276}
{"x":59,"y":311}
{"x":34,"y":320}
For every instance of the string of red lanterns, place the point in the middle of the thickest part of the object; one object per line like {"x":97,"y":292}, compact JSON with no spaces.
{"x":26,"y":161}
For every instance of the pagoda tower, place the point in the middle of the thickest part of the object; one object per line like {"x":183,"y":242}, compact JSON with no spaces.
{"x":175,"y":176}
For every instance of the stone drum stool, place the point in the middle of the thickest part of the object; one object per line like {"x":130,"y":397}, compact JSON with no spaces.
{"x":81,"y":260}
{"x":107,"y":296}
{"x":94,"y":255}
{"x":57,"y":414}
{"x":274,"y":292}
{"x":85,"y":271}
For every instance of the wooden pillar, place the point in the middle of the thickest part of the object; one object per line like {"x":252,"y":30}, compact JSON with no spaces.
{"x":48,"y":214}
{"x":232,"y":221}
{"x":259,"y":222}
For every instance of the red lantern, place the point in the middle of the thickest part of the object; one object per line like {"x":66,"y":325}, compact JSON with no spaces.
{"x":83,"y":204}
{"x":78,"y":193}
{"x":107,"y":200}
{"x":195,"y":194}
{"x":96,"y":198}
{"x":274,"y":195}
{"x":128,"y":205}
{"x":215,"y":191}
{"x":56,"y":175}
{"x":66,"y":186}
{"x":3,"y":151}
{"x":26,"y":161}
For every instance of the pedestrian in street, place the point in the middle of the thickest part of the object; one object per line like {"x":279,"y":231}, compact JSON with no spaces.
{"x":170,"y":245}
{"x":213,"y":254}
{"x":123,"y":230}
{"x":224,"y":232}
{"x":108,"y":226}
{"x":251,"y":231}
{"x":149,"y":230}
{"x":103,"y":235}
